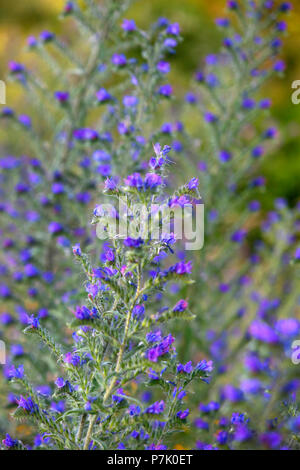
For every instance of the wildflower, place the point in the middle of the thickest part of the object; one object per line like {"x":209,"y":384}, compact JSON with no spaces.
{"x":103,"y":96}
{"x":72,"y":359}
{"x":173,"y":29}
{"x":152,"y":180}
{"x":154,"y":336}
{"x":55,"y":228}
{"x":163,"y":67}
{"x":119,"y":397}
{"x":222,"y":437}
{"x":232,"y":4}
{"x":270,"y":440}
{"x":33,"y":322}
{"x":204,"y":365}
{"x":165,"y":90}
{"x":133,"y":242}
{"x":187,"y":368}
{"x":119,"y":60}
{"x":183,"y":414}
{"x":156,"y":408}
{"x":27,"y":405}
{"x":263,"y":332}
{"x":128,"y":25}
{"x":60,"y":383}
{"x":62,"y":96}
{"x":181,"y":306}
{"x":15,"y":67}
{"x":9,"y":442}
{"x":77,"y":250}
{"x":138,"y":312}
{"x":225,"y":156}
{"x":68,"y":8}
{"x":130,"y":101}
{"x":16,"y":372}
{"x":46,"y":36}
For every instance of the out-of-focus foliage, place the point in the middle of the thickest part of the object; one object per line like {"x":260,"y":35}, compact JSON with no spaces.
{"x":200,"y":37}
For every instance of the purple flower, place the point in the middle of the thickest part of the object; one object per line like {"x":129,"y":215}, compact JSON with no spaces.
{"x":120,"y":397}
{"x":232,"y":4}
{"x":222,"y":437}
{"x":163,"y":67}
{"x":285,"y":7}
{"x":181,"y":306}
{"x":135,"y":181}
{"x":232,"y":394}
{"x":173,"y":29}
{"x":156,"y":408}
{"x":248,"y":103}
{"x":27,"y":404}
{"x":206,"y":366}
{"x":152,"y":180}
{"x":73,"y":359}
{"x":165,"y":90}
{"x":193,"y":184}
{"x":212,"y":80}
{"x":68,"y":8}
{"x":222,"y":22}
{"x":119,"y":60}
{"x":77,"y":250}
{"x":154,"y":336}
{"x":287,"y":327}
{"x":33,"y":322}
{"x":60,"y":383}
{"x":55,"y":227}
{"x":170,"y":43}
{"x":46,"y":36}
{"x":238,"y":236}
{"x":138,"y":312}
{"x":130,"y":101}
{"x":281,"y":26}
{"x":187,"y":368}
{"x":9,"y":441}
{"x":182,"y":268}
{"x":62,"y":96}
{"x":103,"y":96}
{"x":25,"y":120}
{"x":270,"y":440}
{"x":279,"y":66}
{"x":160,"y":349}
{"x":86,"y":134}
{"x":225,"y":156}
{"x":110,"y":184}
{"x":16,"y":372}
{"x":133,"y":242}
{"x":183,"y":414}
{"x":128,"y":25}
{"x":15,"y":67}
{"x":263,"y":332}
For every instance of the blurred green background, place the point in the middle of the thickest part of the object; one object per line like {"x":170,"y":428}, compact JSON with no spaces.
{"x":196,"y":17}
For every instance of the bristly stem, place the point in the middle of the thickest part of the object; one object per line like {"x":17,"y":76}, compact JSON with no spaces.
{"x":119,"y":360}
